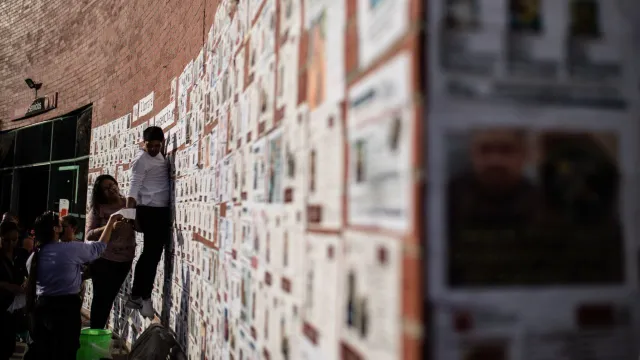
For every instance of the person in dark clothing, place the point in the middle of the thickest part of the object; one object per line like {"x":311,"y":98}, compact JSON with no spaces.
{"x":23,"y":249}
{"x":150,"y":195}
{"x":111,"y":269}
{"x":489,"y":210}
{"x":9,"y":217}
{"x":53,"y":287}
{"x":12,"y":284}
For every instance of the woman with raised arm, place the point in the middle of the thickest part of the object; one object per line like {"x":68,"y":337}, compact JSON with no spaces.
{"x":111,"y":269}
{"x":54,"y":283}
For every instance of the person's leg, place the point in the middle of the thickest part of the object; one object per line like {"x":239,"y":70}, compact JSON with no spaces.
{"x":141,"y":269}
{"x":159,"y":236}
{"x":31,"y":342}
{"x":43,"y":332}
{"x":112,"y":275}
{"x":69,"y":327}
{"x":58,"y":325}
{"x":156,"y":226}
{"x":7,"y":335}
{"x":100,"y":277}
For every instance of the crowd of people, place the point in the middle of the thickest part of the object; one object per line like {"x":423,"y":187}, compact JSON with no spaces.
{"x":42,"y":271}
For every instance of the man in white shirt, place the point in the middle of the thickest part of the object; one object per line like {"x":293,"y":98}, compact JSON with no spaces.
{"x":150,"y":195}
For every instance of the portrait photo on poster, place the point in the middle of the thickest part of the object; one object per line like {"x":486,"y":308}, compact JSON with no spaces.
{"x":533,"y":208}
{"x":566,"y":53}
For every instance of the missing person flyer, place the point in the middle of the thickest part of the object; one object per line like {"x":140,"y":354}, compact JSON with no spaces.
{"x":532,"y":200}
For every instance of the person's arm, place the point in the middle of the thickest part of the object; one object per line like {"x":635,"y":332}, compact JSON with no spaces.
{"x":93,"y":231}
{"x":138,"y":172}
{"x":29,"y":261}
{"x":12,"y":288}
{"x":87,"y":252}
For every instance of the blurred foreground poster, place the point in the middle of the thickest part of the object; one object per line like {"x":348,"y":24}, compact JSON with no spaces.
{"x":532,"y":206}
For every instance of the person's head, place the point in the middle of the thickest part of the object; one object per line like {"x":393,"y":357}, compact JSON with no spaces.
{"x":69,"y":228}
{"x":29,"y":241}
{"x":153,"y":139}
{"x":9,"y":217}
{"x":8,"y":235}
{"x":105,"y":191}
{"x":498,"y":157}
{"x":48,"y":228}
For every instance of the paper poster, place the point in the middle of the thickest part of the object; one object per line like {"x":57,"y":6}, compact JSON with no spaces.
{"x":275,"y":168}
{"x":370,"y":303}
{"x":135,"y":112}
{"x":174,"y":90}
{"x":198,"y":66}
{"x":254,"y":8}
{"x":320,"y":312}
{"x":325,"y":72}
{"x":322,"y":164}
{"x":287,"y":78}
{"x":63,"y":208}
{"x":381,"y":23}
{"x":258,"y":170}
{"x":518,"y":132}
{"x":568,"y":54}
{"x":535,"y":186}
{"x":290,"y":17}
{"x":380,"y":125}
{"x":145,"y":105}
{"x":165,"y":117}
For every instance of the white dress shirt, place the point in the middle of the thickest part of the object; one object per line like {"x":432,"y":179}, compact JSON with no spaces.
{"x":150,"y":185}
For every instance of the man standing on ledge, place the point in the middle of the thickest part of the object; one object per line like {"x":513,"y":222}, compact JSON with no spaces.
{"x":150,"y":195}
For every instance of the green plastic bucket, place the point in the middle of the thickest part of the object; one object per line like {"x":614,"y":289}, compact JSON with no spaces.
{"x":94,"y":344}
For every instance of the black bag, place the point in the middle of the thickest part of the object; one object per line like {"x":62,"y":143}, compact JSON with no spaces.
{"x":156,"y":343}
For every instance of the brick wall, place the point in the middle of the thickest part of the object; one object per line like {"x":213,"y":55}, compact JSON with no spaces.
{"x":106,"y":53}
{"x":113,"y":53}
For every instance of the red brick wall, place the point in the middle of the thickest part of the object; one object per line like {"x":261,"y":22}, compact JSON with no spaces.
{"x":109,"y":53}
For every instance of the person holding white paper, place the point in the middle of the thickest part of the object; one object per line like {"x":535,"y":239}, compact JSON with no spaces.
{"x":150,"y":196}
{"x":53,"y":287}
{"x":112,"y":268}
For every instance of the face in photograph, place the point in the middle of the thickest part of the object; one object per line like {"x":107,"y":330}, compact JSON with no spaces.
{"x":461,"y":14}
{"x":525,"y":16}
{"x":275,"y":169}
{"x":312,"y":175}
{"x":585,"y":20}
{"x":489,"y":193}
{"x":360,"y":160}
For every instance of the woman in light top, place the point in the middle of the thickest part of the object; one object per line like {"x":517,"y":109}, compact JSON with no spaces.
{"x":54,"y":284}
{"x":111,"y":269}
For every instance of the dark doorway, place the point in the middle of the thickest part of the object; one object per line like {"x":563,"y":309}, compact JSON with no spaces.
{"x":34,"y":186}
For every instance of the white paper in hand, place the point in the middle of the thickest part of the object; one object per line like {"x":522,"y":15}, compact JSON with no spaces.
{"x":19,"y":301}
{"x":127,"y":213}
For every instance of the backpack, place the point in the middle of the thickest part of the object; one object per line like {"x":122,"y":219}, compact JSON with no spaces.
{"x":156,"y":343}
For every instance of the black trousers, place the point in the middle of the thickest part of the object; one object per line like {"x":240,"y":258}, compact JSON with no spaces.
{"x":7,"y":335}
{"x":107,"y":277}
{"x":155,"y":224}
{"x":56,"y":327}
